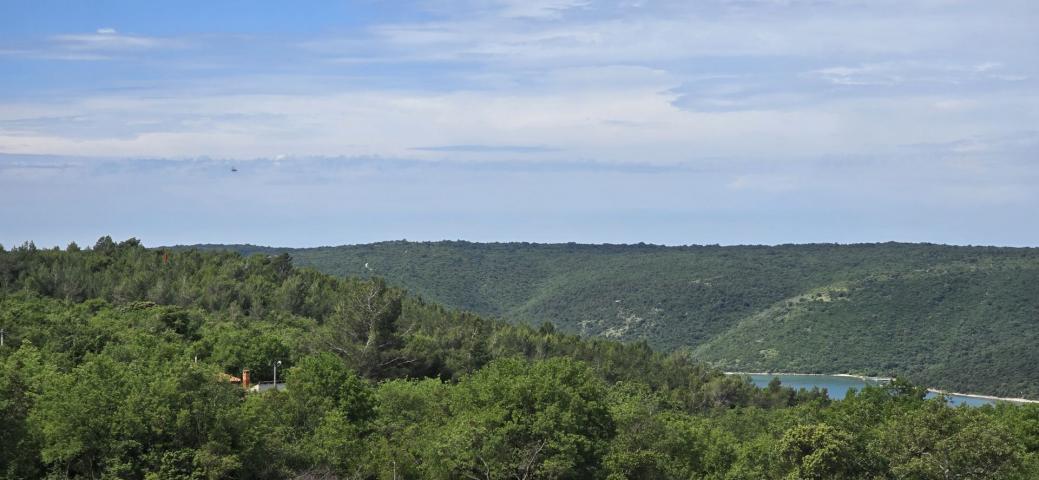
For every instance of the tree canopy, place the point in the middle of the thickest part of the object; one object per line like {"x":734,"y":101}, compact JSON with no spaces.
{"x":116,"y":363}
{"x":957,"y":318}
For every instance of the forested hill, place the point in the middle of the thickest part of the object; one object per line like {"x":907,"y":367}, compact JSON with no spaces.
{"x":959,"y":318}
{"x":117,"y":362}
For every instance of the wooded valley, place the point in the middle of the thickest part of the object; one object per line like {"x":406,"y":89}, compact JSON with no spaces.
{"x":117,"y":363}
{"x":962,"y":319}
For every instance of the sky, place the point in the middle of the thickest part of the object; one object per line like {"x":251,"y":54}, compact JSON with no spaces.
{"x":620,"y":121}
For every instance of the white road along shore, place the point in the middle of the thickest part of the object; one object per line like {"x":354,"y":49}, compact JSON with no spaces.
{"x":888,"y":379}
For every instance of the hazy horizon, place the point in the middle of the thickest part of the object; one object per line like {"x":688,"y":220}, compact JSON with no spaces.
{"x":89,"y":243}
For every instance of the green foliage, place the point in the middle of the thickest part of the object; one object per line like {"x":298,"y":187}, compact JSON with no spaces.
{"x":363,"y":330}
{"x":931,"y":442}
{"x":116,"y":358}
{"x":654,"y":441}
{"x":819,"y":452}
{"x":956,"y":318}
{"x":520,"y":420}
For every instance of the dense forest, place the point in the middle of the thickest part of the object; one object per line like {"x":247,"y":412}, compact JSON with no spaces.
{"x":117,"y":362}
{"x":958,"y":318}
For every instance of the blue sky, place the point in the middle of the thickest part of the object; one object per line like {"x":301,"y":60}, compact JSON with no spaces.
{"x":677,"y":122}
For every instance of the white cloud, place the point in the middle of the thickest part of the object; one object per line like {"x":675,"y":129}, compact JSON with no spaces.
{"x":680,"y":30}
{"x":539,"y":8}
{"x":860,"y":75}
{"x":103,"y":44}
{"x":910,"y":72}
{"x":765,"y":183}
{"x":955,"y":104}
{"x":110,"y":41}
{"x":765,"y":112}
{"x":658,"y":82}
{"x":578,"y":118}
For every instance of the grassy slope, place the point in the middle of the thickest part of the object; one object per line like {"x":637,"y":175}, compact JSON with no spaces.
{"x":964,"y":318}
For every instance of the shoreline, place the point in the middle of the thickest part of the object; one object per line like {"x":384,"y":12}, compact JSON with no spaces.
{"x":983,"y":397}
{"x":888,"y":379}
{"x":845,"y":375}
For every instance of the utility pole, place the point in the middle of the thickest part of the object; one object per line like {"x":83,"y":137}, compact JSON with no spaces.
{"x":276,"y":363}
{"x":1,"y":337}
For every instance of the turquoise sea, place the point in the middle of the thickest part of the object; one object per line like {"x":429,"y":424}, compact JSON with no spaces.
{"x":837,"y":386}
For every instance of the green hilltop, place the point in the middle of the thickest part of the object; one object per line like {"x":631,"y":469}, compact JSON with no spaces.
{"x":954,"y":317}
